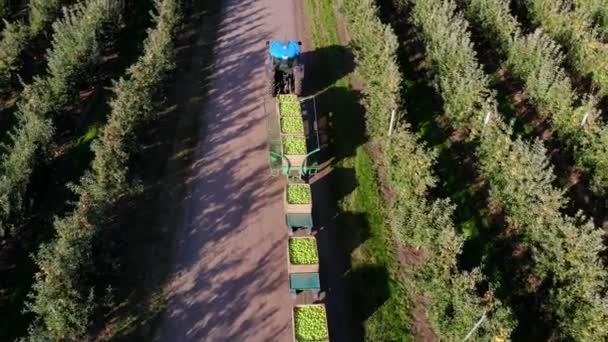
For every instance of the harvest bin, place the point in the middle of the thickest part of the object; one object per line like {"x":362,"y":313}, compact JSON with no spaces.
{"x":294,"y":160}
{"x":310,"y":321}
{"x":311,"y":247}
{"x":297,"y":198}
{"x":286,"y":157}
{"x":298,"y":221}
{"x":303,"y":264}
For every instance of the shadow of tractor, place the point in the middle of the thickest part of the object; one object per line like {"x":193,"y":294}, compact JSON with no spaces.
{"x":320,"y":69}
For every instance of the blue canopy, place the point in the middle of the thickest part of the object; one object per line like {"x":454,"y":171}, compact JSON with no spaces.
{"x":284,"y":50}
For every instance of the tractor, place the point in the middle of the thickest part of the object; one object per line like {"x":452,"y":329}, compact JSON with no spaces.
{"x":284,"y":70}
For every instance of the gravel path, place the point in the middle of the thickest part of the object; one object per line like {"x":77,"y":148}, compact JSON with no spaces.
{"x":229,"y":279}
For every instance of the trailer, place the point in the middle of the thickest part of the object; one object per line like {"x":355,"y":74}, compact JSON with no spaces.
{"x":293,"y":148}
{"x":293,"y":136}
{"x":303,"y":276}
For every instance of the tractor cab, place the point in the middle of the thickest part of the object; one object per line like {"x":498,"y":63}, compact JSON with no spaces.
{"x":283,"y":68}
{"x":284,"y":55}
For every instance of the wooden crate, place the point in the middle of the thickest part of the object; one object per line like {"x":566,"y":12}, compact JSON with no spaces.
{"x":293,"y":321}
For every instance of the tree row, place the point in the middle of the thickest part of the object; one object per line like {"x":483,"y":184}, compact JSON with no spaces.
{"x":63,"y":296}
{"x":574,"y":31}
{"x":536,"y":59}
{"x":17,"y":36}
{"x":596,"y":11}
{"x":453,"y":300}
{"x":76,"y":47}
{"x":564,"y":251}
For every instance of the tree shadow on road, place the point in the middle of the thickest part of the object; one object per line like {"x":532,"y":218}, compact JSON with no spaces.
{"x":203,"y":216}
{"x":136,"y":262}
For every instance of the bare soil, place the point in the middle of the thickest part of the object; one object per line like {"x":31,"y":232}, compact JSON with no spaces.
{"x":410,"y":257}
{"x":423,"y":331}
{"x":229,"y":277}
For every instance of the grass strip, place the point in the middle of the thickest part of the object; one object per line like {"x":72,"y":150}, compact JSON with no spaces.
{"x":380,"y":304}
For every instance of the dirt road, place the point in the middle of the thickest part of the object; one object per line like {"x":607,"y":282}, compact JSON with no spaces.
{"x":229,"y":279}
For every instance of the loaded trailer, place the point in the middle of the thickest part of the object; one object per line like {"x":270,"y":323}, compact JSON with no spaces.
{"x":293,"y":136}
{"x":293,"y":150}
{"x":294,"y":146}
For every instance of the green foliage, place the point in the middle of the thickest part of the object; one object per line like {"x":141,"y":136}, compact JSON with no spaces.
{"x":292,"y":124}
{"x":294,"y":145}
{"x":58,"y":298}
{"x":76,"y":42}
{"x":494,"y":16}
{"x":303,"y":251}
{"x":13,"y":39}
{"x":310,"y":323}
{"x":413,"y":222}
{"x":565,"y":250}
{"x":520,"y":180}
{"x":459,"y":78}
{"x":519,"y":175}
{"x":536,"y":59}
{"x":387,"y":323}
{"x":298,"y":194}
{"x":4,"y":8}
{"x":9,"y":8}
{"x":573,"y":30}
{"x":42,"y":13}
{"x":409,"y":164}
{"x":375,"y":48}
{"x":592,"y":155}
{"x":596,"y":11}
{"x":16,"y":36}
{"x":62,"y":307}
{"x":454,"y":304}
{"x":577,"y":304}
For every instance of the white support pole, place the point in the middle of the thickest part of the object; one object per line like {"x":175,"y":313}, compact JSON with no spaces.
{"x":487,"y":118}
{"x":584,"y":119}
{"x":390,"y":127}
{"x":483,"y":318}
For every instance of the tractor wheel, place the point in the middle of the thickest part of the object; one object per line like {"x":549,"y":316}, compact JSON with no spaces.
{"x":297,"y":84}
